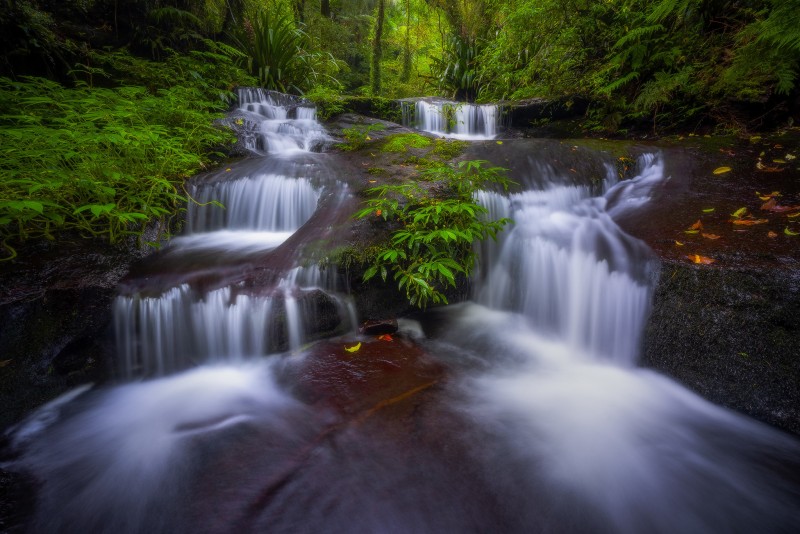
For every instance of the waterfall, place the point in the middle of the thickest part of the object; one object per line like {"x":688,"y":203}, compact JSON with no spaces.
{"x":519,"y":411}
{"x":286,"y":124}
{"x":161,"y":335}
{"x":233,"y":214}
{"x":265,"y":202}
{"x":453,"y":119}
{"x":568,"y":268}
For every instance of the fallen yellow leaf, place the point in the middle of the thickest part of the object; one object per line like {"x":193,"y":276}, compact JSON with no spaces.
{"x":708,"y":210}
{"x":738,"y":213}
{"x":789,"y":232}
{"x":354,"y":348}
{"x":697,"y":258}
{"x":678,"y":243}
{"x":722,"y":170}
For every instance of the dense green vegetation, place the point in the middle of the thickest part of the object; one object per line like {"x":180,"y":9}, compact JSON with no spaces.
{"x":436,"y":230}
{"x":107,"y":105}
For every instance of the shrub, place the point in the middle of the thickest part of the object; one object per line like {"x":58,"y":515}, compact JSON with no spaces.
{"x":436,"y":231}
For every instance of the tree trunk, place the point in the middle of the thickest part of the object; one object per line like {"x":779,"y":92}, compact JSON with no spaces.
{"x":299,"y":9}
{"x":377,"y":49}
{"x":406,"y":74}
{"x":325,"y":8}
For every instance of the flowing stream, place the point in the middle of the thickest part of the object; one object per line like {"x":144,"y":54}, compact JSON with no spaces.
{"x":544,"y":423}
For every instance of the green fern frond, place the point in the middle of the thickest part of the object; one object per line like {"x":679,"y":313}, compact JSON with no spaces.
{"x":635,"y":34}
{"x":619,"y":82}
{"x":666,"y":8}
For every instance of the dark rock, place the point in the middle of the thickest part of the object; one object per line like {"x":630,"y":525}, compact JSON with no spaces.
{"x":55,"y":320}
{"x":732,"y":336}
{"x":376,"y":328}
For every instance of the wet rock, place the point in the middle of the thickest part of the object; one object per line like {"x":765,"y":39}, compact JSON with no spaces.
{"x":733,"y":336}
{"x":729,"y":331}
{"x":55,"y":320}
{"x":376,"y":328}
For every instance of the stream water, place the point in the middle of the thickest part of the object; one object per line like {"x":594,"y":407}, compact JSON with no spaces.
{"x":544,"y":423}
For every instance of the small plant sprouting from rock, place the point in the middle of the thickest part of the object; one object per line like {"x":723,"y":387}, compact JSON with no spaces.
{"x":434,"y":241}
{"x":358,"y":136}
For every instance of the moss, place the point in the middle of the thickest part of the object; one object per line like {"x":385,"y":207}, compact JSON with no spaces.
{"x":425,"y":163}
{"x":349,"y":256}
{"x":378,"y":171}
{"x":402,"y":142}
{"x":448,"y":149}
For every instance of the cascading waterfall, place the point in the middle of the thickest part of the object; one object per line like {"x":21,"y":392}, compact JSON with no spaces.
{"x":286,"y":124}
{"x":266,"y":202}
{"x":559,"y":314}
{"x":584,"y":280}
{"x":545,"y":424}
{"x":162,"y":334}
{"x":453,"y":119}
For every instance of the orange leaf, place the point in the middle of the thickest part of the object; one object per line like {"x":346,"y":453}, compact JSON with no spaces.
{"x":749,"y":222}
{"x":385,"y":337}
{"x":696,"y":226}
{"x":771,"y":234}
{"x":697,"y":258}
{"x":710,"y":236}
{"x":378,"y":213}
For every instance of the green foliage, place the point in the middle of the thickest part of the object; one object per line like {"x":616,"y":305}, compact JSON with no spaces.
{"x":212,"y":69}
{"x":456,"y":72}
{"x":356,"y":137}
{"x":433,"y":242}
{"x":282,"y":57}
{"x":102,"y":162}
{"x":328,"y":101}
{"x":402,"y":142}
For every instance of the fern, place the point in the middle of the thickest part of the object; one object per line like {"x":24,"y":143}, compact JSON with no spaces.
{"x":619,"y":82}
{"x":661,"y":88}
{"x":666,"y":8}
{"x":781,"y":29}
{"x":637,"y":34}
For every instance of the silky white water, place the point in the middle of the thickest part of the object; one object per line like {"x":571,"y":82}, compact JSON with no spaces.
{"x":235,"y":213}
{"x":459,"y":120}
{"x":543,"y":424}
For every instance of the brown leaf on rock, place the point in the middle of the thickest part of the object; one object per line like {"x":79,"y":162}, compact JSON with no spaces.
{"x":749,"y":222}
{"x":710,"y":236}
{"x":771,"y":234}
{"x":773,"y":206}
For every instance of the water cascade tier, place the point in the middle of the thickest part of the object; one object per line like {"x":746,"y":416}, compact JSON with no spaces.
{"x":459,"y":120}
{"x":234,"y":215}
{"x":521,"y":410}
